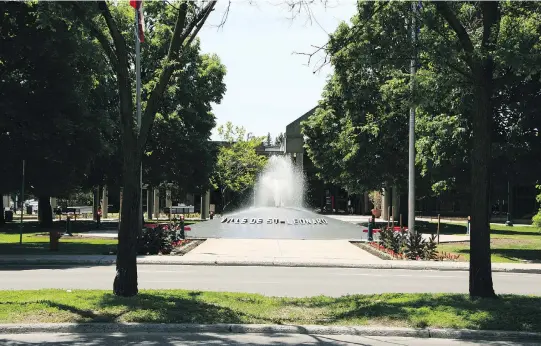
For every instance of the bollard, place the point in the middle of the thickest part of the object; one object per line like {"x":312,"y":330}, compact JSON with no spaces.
{"x":469,"y":226}
{"x":438,"y":228}
{"x":68,"y":226}
{"x":509,"y":222}
{"x":182,"y":234}
{"x":371,"y":226}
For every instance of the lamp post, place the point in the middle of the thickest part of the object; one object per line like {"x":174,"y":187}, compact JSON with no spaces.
{"x":22,"y":207}
{"x":411,"y":163}
{"x":509,"y":222}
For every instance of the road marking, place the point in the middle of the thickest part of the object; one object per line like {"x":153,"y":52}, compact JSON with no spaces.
{"x":400,"y":275}
{"x":191,"y":281}
{"x":167,"y":271}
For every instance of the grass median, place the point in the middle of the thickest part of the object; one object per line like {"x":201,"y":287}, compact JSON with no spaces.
{"x":517,"y":313}
{"x":509,"y":244}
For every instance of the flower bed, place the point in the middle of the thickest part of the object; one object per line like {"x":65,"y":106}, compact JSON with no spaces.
{"x":402,"y":245}
{"x":162,"y":239}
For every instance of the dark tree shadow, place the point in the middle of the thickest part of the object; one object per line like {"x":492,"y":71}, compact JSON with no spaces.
{"x":533,"y":233}
{"x":520,"y":313}
{"x":60,"y":266}
{"x":218,"y":339}
{"x":527,"y":255}
{"x":445,"y":228}
{"x":78,"y":226}
{"x":79,"y":247}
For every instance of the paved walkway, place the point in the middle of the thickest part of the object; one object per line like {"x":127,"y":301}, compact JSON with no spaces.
{"x":229,"y":339}
{"x":271,"y":250}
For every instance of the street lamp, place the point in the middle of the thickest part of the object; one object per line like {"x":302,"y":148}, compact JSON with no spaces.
{"x":508,"y":222}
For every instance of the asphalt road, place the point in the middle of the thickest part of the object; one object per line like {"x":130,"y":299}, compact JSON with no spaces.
{"x":230,"y":339}
{"x":272,"y":281}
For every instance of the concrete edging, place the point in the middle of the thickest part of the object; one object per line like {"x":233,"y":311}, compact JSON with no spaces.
{"x":391,"y":264}
{"x":264,"y":329}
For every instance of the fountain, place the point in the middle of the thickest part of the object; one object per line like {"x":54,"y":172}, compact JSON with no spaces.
{"x":277,"y":211}
{"x":281,"y":184}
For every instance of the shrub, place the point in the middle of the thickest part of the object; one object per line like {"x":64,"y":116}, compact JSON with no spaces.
{"x":414,"y":246}
{"x":386,"y":237}
{"x":156,"y":239}
{"x":536,"y":220}
{"x":430,"y":250}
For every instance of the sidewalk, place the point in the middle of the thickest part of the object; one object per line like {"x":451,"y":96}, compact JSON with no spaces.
{"x":329,"y":335}
{"x":90,"y":260}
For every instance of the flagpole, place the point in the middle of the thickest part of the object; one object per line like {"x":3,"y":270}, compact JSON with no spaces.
{"x":138,"y":106}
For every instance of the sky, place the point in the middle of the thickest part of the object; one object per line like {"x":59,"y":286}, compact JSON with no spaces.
{"x":268,"y":85}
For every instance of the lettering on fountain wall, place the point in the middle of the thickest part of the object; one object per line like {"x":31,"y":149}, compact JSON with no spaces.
{"x":273,"y":221}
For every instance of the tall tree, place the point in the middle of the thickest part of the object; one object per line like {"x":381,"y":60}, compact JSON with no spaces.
{"x":471,"y":52}
{"x":268,"y":141}
{"x":279,"y":140}
{"x":49,"y":103}
{"x":485,"y":56}
{"x":110,"y":26}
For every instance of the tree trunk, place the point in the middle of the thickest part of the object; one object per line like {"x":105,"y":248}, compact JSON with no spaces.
{"x":45,"y":211}
{"x":2,"y":220}
{"x":125,"y":283}
{"x":95,"y":202}
{"x":480,"y":263}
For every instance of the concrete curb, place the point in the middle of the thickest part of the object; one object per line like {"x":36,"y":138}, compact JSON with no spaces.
{"x":264,"y":329}
{"x":391,"y":264}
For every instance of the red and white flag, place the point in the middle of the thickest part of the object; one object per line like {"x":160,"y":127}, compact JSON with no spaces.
{"x":138,"y":5}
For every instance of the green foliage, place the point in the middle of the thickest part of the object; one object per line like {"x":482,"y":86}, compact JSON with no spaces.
{"x":360,"y":126}
{"x":415,"y":246}
{"x":412,"y":246}
{"x":238,"y":163}
{"x":430,"y":249}
{"x":179,"y":149}
{"x":52,"y":104}
{"x":386,"y":237}
{"x":156,"y":240}
{"x":536,"y":220}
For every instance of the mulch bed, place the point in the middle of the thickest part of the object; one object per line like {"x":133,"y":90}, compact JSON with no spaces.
{"x":447,"y":257}
{"x":186,"y":247}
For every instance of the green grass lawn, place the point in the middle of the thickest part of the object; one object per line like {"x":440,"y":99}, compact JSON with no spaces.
{"x":516,"y":244}
{"x":36,"y":240}
{"x":179,"y":306}
{"x":34,"y":244}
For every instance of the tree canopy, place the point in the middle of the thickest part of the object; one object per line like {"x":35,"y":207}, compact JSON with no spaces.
{"x":237,"y":165}
{"x":475,"y":114}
